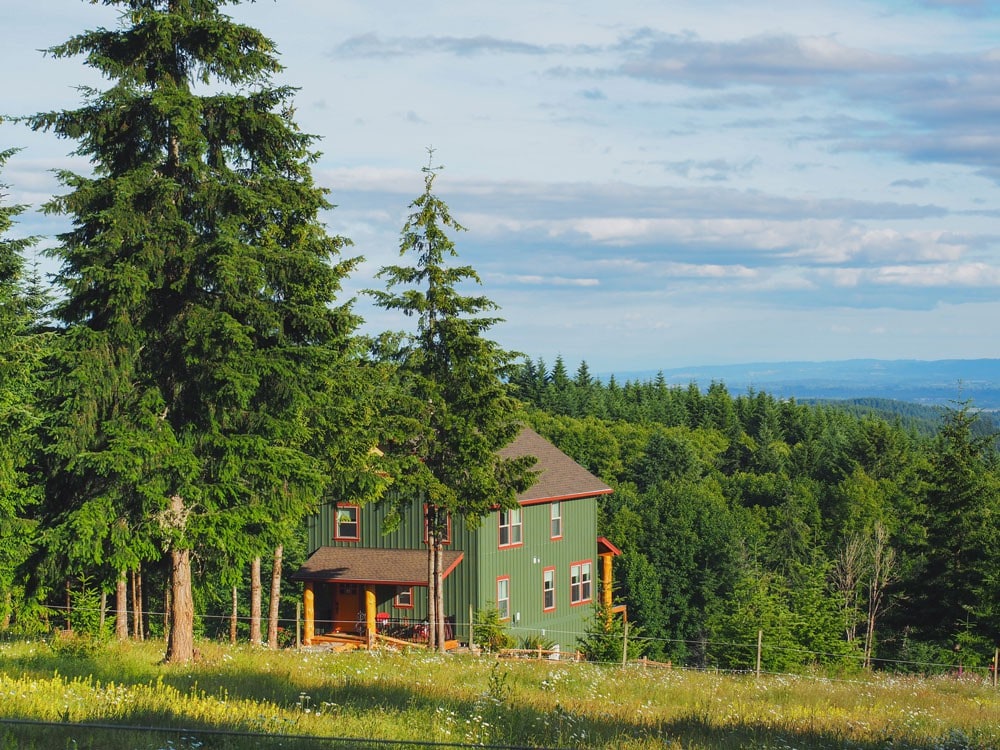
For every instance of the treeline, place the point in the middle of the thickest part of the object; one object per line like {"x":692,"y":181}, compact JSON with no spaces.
{"x":196,"y":386}
{"x":846,"y":538}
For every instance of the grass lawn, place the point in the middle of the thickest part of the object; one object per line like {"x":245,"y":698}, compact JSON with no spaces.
{"x":466,"y":699}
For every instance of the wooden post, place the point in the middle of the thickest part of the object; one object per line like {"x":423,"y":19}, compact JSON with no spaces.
{"x":760,"y":643}
{"x":309,"y":604}
{"x":996,"y":662}
{"x":370,"y":614}
{"x":298,"y":625}
{"x":625,"y":644}
{"x":606,"y":581}
{"x":472,"y":646}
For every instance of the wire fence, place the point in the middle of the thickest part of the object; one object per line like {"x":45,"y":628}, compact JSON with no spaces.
{"x":96,"y":735}
{"x":984,"y":666}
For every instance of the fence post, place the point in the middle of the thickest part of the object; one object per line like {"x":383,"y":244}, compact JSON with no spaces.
{"x":298,"y":624}
{"x":760,"y":642}
{"x":996,"y":662}
{"x":625,"y":645}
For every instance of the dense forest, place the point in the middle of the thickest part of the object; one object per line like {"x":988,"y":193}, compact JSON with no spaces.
{"x":841,"y":533}
{"x":191,"y":387}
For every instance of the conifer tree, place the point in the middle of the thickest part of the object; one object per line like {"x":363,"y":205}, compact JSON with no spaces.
{"x":459,"y":411}
{"x":203,"y":357}
{"x":20,"y":353}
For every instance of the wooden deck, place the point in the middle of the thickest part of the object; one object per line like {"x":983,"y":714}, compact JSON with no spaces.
{"x":350,"y":642}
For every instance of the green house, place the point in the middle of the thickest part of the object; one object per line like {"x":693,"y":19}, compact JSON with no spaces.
{"x":542,"y":565}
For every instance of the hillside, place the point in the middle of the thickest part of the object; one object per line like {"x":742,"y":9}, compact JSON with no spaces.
{"x":937,"y":382}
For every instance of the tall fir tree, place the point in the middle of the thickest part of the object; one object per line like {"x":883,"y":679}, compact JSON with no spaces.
{"x":20,"y":355}
{"x":458,"y":410}
{"x":203,"y":355}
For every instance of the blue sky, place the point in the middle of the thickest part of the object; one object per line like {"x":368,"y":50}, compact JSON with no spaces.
{"x":645,"y":184}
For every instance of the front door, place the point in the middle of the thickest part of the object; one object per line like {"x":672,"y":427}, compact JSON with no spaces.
{"x":346,"y":607}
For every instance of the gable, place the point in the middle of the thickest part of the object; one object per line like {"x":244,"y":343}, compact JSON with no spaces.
{"x":559,"y":476}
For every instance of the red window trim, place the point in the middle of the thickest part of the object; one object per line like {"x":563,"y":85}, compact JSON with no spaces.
{"x":556,"y":504}
{"x":357,"y":523}
{"x":552,"y":570}
{"x":395,"y":599}
{"x":447,"y":532}
{"x":520,"y":525}
{"x":497,"y":590}
{"x":590,"y":598}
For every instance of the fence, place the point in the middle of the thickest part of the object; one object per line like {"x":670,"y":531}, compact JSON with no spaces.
{"x":989,"y":672}
{"x":29,"y":733}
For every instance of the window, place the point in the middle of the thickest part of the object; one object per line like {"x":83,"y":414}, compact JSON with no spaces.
{"x":549,"y":589}
{"x":404,"y":598}
{"x":446,"y":537}
{"x":555,"y":524}
{"x":347,"y":528}
{"x":510,"y":528}
{"x":503,"y":597}
{"x":579,"y":582}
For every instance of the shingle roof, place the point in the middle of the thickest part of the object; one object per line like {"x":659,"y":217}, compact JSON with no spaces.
{"x":397,"y":567}
{"x":559,"y":478}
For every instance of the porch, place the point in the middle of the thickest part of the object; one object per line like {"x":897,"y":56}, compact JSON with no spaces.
{"x":359,"y":597}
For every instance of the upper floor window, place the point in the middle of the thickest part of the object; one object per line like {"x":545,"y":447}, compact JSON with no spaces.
{"x":555,"y":520}
{"x":503,"y":597}
{"x":580,"y":582}
{"x":549,"y":589}
{"x":510,"y":527}
{"x":347,"y":527}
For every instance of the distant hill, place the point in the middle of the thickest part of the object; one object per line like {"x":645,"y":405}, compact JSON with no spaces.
{"x":933,"y":383}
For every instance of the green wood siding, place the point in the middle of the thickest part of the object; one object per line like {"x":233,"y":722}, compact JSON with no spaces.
{"x":473,"y":583}
{"x":524,"y":566}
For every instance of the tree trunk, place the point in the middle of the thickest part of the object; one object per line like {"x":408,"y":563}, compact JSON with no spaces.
{"x":255,"y":594}
{"x":234,"y":614}
{"x":121,"y":607}
{"x":136,"y":610}
{"x":275,"y":600}
{"x":431,"y":580}
{"x":180,"y":642}
{"x":439,"y":592}
{"x":883,"y":559}
{"x":138,"y":602}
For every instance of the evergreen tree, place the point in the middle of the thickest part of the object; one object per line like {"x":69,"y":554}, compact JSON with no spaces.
{"x":956,"y":592}
{"x":458,"y":410}
{"x":20,"y":354}
{"x":202,"y":347}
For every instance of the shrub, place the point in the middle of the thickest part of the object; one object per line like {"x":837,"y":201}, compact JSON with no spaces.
{"x":490,"y":632}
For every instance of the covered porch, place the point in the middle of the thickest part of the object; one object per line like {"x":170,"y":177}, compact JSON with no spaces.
{"x":361,"y":596}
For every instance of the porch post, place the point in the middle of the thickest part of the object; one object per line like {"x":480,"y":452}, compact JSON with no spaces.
{"x":370,"y":614}
{"x":309,"y":604}
{"x":606,"y":581}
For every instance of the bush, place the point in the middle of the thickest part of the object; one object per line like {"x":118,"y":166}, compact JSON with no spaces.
{"x":604,"y":638}
{"x":490,"y":632}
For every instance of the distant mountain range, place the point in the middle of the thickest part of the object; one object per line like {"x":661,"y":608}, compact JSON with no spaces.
{"x":937,"y":382}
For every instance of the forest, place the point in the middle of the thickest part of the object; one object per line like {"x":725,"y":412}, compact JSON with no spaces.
{"x":848,"y":536}
{"x":191,"y":386}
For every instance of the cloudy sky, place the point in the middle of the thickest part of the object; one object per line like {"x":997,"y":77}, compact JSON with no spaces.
{"x":645,"y":184}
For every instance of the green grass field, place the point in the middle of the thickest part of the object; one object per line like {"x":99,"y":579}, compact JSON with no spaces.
{"x":465,"y":699}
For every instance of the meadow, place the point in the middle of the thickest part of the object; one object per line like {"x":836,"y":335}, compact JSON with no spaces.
{"x":271,"y":699}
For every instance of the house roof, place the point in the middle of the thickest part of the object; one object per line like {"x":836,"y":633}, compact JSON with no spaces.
{"x":559,"y":476}
{"x":396,"y":567}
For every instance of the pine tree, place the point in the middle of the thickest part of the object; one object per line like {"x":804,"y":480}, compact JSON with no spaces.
{"x":459,"y":411}
{"x":20,"y":354}
{"x":956,"y":591}
{"x":203,"y":356}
